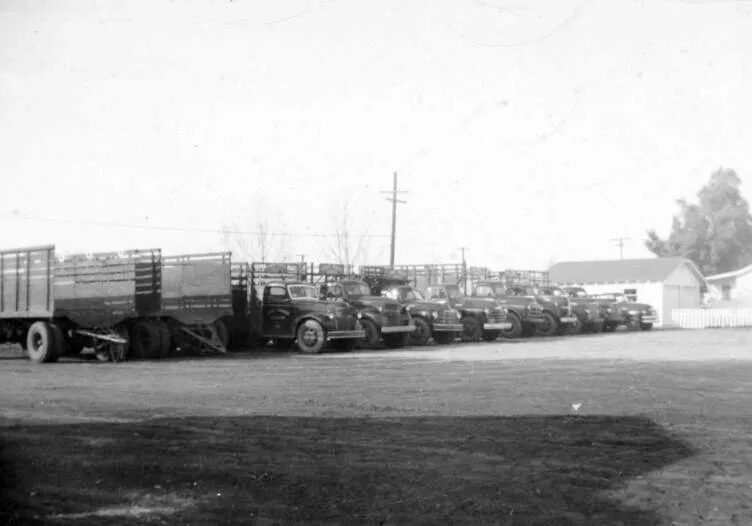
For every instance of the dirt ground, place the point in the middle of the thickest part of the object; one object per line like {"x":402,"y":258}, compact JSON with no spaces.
{"x":626,"y":428}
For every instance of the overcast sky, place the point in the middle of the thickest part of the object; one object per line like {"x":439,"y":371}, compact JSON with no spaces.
{"x":528,"y":132}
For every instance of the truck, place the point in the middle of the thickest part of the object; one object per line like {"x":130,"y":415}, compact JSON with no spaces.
{"x":432,"y":319}
{"x":285,"y":308}
{"x":481,"y":318}
{"x":590,"y":313}
{"x":612,"y":317}
{"x":108,"y":302}
{"x":383,"y":319}
{"x":197,"y":300}
{"x":525,"y":313}
{"x":636,"y":316}
{"x":558,"y":317}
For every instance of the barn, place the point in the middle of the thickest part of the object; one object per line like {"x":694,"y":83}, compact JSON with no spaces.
{"x":731,"y":289}
{"x":665,"y":283}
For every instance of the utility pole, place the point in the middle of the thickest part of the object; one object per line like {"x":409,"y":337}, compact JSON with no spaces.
{"x":394,"y":201}
{"x":464,"y":270}
{"x":301,"y":267}
{"x":619,"y":241}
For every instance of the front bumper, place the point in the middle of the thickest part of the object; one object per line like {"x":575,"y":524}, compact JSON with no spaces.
{"x":648,"y":318}
{"x":447,"y":327}
{"x":355,"y":334}
{"x":568,"y":319}
{"x":497,"y":326}
{"x":394,"y":329}
{"x":535,"y":320}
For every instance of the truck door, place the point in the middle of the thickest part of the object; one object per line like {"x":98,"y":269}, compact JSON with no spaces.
{"x":278,"y":313}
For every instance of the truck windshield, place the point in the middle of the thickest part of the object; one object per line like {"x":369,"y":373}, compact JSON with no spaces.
{"x":356,"y":288}
{"x":411,"y":295}
{"x":454,"y":292}
{"x":302,"y":291}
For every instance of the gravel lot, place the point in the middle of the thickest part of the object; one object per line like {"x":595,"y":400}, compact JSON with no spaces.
{"x":630,"y":428}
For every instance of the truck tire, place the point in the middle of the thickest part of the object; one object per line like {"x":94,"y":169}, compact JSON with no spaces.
{"x":40,"y":342}
{"x":146,"y":341}
{"x":515,"y":331}
{"x":646,"y":326}
{"x":422,"y":332}
{"x":165,"y":348}
{"x":471,"y":329}
{"x":443,"y":338}
{"x":372,"y":332}
{"x":311,"y":337}
{"x":396,"y":340}
{"x":61,"y":344}
{"x":549,"y":327}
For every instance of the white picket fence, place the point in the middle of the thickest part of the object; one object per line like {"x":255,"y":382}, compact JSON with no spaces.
{"x":715,"y":318}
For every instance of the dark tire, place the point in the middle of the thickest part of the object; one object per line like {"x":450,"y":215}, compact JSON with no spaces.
{"x":395,"y":341}
{"x":515,"y":331}
{"x":40,"y":342}
{"x":646,"y":326}
{"x":596,"y":327}
{"x":223,"y":332}
{"x":491,"y":336}
{"x":575,"y":328}
{"x":549,"y":327}
{"x":146,"y":342}
{"x":422,"y":332}
{"x":444,"y":338}
{"x":372,"y":332}
{"x":61,"y":344}
{"x":343,"y":345}
{"x":311,"y":337}
{"x":633,"y":325}
{"x":471,"y":329}
{"x":165,"y":349}
{"x":609,"y":327}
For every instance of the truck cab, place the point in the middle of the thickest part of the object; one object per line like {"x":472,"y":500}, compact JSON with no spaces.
{"x":383,"y":319}
{"x":525,"y":313}
{"x":431,"y":318}
{"x":482,"y":318}
{"x":557,"y":309}
{"x":636,"y":316}
{"x":589,"y":313}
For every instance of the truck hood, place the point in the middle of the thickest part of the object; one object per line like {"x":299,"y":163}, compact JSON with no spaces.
{"x":469,"y":302}
{"x":362,"y":302}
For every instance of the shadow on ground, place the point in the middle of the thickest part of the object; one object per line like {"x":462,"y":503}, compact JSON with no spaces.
{"x":271,"y":470}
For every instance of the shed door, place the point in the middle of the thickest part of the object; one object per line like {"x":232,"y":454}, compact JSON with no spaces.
{"x":671,"y":300}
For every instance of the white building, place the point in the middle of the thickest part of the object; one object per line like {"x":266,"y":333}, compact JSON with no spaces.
{"x":732,"y":289}
{"x":664,"y":283}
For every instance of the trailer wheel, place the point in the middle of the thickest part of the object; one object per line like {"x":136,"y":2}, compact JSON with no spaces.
{"x":549,"y":327}
{"x":223,"y":333}
{"x":145,"y":340}
{"x":422,"y":332}
{"x":40,"y":342}
{"x":471,"y":329}
{"x":311,"y":337}
{"x":515,"y":331}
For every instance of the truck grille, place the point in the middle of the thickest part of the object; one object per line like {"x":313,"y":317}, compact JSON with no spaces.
{"x":535,"y":310}
{"x":448,"y":316}
{"x":497,"y":316}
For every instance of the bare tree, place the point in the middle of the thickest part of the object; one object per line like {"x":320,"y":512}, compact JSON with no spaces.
{"x":255,"y":240}
{"x":346,"y":247}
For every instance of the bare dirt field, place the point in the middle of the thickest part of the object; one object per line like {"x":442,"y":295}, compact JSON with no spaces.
{"x":626,"y":428}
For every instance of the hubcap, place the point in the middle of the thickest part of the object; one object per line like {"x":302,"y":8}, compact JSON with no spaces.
{"x":310,"y":336}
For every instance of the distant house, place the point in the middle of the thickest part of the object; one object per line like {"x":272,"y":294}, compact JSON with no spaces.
{"x":731,"y":288}
{"x":665,"y":283}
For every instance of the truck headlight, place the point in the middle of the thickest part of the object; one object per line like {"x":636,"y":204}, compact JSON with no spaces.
{"x":633,"y":312}
{"x":435,"y":315}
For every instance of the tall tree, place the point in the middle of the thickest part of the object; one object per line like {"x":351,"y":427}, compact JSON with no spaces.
{"x":715,"y":233}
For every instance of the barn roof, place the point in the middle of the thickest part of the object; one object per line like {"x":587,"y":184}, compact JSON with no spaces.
{"x":619,"y":270}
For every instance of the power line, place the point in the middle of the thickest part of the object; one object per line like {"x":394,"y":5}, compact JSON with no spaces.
{"x":619,"y":241}
{"x":177,"y":228}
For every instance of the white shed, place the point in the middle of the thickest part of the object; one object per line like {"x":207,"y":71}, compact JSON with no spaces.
{"x":731,"y":288}
{"x":665,"y":283}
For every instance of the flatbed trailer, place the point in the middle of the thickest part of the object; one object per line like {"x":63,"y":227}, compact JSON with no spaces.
{"x":108,"y":302}
{"x":197,"y":300}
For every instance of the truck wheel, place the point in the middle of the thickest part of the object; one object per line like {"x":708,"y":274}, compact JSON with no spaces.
{"x":61,"y":344}
{"x":311,"y":336}
{"x":515,"y":331}
{"x":646,"y":326}
{"x":145,"y":340}
{"x":396,"y":340}
{"x":164,"y":340}
{"x":40,"y":342}
{"x":444,"y":338}
{"x":372,"y":332}
{"x":222,"y":326}
{"x":471,"y":329}
{"x":422,"y":332}
{"x":549,"y":327}
{"x":609,"y":327}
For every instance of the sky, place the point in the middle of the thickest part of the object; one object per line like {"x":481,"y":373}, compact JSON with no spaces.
{"x":527,"y":132}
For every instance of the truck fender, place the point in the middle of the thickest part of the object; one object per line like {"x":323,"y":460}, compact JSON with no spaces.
{"x":308,"y":316}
